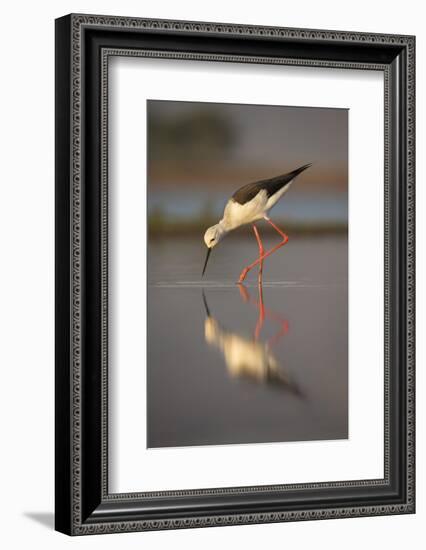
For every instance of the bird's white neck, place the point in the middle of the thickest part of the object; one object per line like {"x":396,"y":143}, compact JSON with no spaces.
{"x":222,"y":228}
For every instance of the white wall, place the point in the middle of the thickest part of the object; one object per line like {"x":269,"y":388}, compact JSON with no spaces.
{"x":26,"y":289}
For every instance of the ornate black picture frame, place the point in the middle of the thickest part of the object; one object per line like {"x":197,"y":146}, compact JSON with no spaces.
{"x":83,"y":45}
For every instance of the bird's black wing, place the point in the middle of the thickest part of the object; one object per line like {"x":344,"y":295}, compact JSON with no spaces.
{"x":247,"y":192}
{"x":271,"y":186}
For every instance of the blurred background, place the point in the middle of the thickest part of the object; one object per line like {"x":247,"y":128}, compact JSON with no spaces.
{"x":200,"y":153}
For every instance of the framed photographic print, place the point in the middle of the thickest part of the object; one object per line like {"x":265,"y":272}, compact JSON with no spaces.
{"x":234,"y":274}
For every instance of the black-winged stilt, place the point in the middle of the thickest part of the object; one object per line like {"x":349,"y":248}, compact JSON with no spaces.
{"x":249,"y":204}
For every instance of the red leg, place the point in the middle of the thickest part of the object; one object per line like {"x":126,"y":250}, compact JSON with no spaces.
{"x":266,"y":254}
{"x":261,"y":252}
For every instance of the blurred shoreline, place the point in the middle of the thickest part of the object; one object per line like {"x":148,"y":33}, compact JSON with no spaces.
{"x":159,"y":228}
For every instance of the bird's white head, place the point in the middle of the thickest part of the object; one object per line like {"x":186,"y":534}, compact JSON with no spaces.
{"x":213,"y":235}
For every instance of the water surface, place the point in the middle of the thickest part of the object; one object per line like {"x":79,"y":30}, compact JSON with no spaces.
{"x":233,"y":365}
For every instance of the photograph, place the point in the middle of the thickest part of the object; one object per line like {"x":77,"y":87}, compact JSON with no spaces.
{"x":247,"y":298}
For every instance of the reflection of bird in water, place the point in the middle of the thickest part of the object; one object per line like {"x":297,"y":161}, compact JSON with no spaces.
{"x":250,"y":358}
{"x":249,"y":204}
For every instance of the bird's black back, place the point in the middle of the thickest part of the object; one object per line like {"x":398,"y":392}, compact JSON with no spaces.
{"x":271,"y":186}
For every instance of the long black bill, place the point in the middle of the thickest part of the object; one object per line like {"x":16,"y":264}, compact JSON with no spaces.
{"x":207,"y":259}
